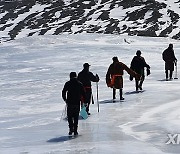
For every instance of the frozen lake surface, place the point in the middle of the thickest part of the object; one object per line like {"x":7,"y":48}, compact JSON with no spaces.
{"x":32,"y":74}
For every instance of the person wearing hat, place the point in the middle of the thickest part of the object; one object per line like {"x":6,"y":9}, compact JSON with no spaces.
{"x":72,"y":93}
{"x":170,"y":60}
{"x":137,"y":64}
{"x":114,"y":76}
{"x":85,"y":77}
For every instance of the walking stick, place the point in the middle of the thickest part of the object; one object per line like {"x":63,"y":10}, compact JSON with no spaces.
{"x":97,"y":95}
{"x":176,"y":72}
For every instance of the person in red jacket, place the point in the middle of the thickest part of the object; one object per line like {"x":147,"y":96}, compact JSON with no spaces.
{"x":170,"y":60}
{"x":114,"y":76}
{"x":72,"y":93}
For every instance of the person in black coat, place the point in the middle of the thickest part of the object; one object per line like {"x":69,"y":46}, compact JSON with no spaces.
{"x":85,"y":77}
{"x":137,"y":64}
{"x":170,"y":59}
{"x":72,"y":93}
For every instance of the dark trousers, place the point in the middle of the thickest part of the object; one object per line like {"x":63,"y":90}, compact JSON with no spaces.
{"x":114,"y":93}
{"x":73,"y":116}
{"x":88,"y":98}
{"x":169,"y":74}
{"x":139,"y":83}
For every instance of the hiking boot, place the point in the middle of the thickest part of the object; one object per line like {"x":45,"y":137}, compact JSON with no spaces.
{"x":140,"y":87}
{"x":71,"y":130}
{"x":76,"y":133}
{"x":70,"y":133}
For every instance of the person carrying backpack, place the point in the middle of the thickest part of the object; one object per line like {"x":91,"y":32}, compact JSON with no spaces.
{"x":137,"y":64}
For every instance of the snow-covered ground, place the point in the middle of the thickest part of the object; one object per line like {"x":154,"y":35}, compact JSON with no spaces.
{"x":32,"y":74}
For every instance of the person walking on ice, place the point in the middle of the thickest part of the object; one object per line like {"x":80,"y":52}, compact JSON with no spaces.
{"x":85,"y":77}
{"x":72,"y":93}
{"x":170,"y":60}
{"x":137,"y":64}
{"x":114,"y":76}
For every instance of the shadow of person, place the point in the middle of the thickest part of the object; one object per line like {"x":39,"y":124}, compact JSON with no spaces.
{"x":134,"y":92}
{"x":62,"y":138}
{"x":109,"y":101}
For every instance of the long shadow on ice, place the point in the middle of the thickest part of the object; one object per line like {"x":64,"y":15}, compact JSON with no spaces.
{"x":109,"y":101}
{"x":65,"y":119}
{"x":62,"y":139}
{"x":165,"y":80}
{"x":134,"y":92}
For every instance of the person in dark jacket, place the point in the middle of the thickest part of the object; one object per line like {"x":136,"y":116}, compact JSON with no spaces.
{"x":72,"y":93}
{"x":137,"y":64}
{"x":85,"y":77}
{"x":114,"y":76}
{"x":170,"y":59}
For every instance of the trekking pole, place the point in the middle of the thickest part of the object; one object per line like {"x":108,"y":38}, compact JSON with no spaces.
{"x":176,"y":72}
{"x":97,"y":95}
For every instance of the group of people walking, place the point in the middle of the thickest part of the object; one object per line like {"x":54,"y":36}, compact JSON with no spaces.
{"x":78,"y":91}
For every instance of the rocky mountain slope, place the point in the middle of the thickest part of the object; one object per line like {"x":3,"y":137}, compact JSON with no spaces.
{"x":156,"y":18}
